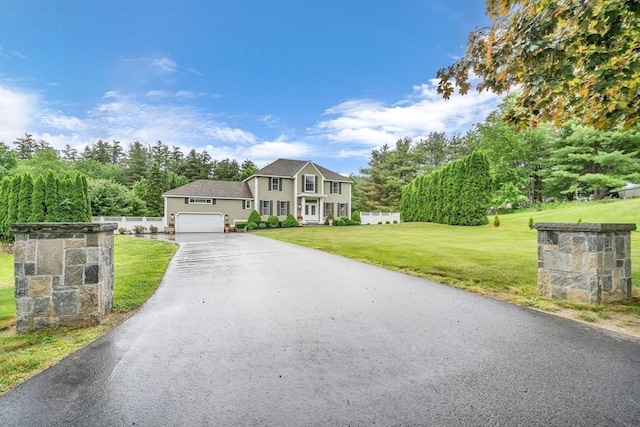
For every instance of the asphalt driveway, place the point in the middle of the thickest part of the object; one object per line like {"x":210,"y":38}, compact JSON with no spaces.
{"x":249,"y":331}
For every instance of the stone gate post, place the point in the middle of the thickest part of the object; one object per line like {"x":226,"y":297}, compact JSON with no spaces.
{"x":584,"y":262}
{"x":63,"y":274}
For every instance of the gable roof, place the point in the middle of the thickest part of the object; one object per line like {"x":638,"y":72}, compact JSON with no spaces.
{"x":214,"y":189}
{"x":289,"y":168}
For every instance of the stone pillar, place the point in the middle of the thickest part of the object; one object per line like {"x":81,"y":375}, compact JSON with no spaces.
{"x":63,"y":274}
{"x":584,"y":262}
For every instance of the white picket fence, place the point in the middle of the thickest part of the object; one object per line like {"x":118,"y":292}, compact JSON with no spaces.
{"x":377,"y":217}
{"x":129,"y":222}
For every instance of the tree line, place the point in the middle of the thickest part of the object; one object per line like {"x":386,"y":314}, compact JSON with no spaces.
{"x":527,"y":166}
{"x":121,"y":181}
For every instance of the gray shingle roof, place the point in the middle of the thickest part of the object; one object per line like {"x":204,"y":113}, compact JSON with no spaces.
{"x":288,"y":168}
{"x":214,"y":189}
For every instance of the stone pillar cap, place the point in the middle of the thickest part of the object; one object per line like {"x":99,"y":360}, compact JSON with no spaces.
{"x":61,"y":227}
{"x":594,"y":227}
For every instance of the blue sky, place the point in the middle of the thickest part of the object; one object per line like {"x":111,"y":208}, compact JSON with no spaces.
{"x":317,"y":80}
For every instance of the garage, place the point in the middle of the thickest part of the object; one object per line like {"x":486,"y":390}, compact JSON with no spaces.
{"x":199,"y":223}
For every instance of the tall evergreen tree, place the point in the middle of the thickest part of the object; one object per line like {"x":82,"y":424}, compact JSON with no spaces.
{"x":587,"y":161}
{"x":52,"y":199}
{"x":5,"y":189}
{"x":24,"y":204}
{"x":25,"y":147}
{"x":137,"y":163}
{"x":156,"y":186}
{"x":38,"y":204}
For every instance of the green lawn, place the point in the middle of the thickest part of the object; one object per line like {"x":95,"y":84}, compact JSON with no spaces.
{"x":139,"y":267}
{"x":487,"y":259}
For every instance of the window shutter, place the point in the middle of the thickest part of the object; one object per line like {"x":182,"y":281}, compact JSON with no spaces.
{"x":270,"y":207}
{"x":277,"y":207}
{"x":331,"y":187}
{"x":280,"y":184}
{"x":304,"y":180}
{"x":243,"y":204}
{"x":315,"y":183}
{"x":339,"y":188}
{"x":288,"y":207}
{"x":186,"y":200}
{"x":260,"y":207}
{"x":269,"y":184}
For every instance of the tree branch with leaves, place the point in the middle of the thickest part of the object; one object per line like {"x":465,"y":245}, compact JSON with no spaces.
{"x":569,"y":58}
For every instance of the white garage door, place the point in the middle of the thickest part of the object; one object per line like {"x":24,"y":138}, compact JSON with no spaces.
{"x":199,"y":223}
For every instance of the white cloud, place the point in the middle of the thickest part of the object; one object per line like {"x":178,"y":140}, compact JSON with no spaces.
{"x":62,"y":122}
{"x":156,"y":94}
{"x":196,"y":72}
{"x":228,"y":134}
{"x":269,"y":151}
{"x":17,"y":111}
{"x":165,"y":65}
{"x":367,"y":123}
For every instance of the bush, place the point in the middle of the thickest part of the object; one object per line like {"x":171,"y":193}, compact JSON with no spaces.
{"x":122,"y":230}
{"x":530,"y":223}
{"x":240,"y":225}
{"x":387,"y":222}
{"x":252,"y":226}
{"x":272,"y":221}
{"x":496,"y":221}
{"x":395,"y":221}
{"x":262,"y":225}
{"x":254,"y":217}
{"x":139,"y":229}
{"x":379,"y":222}
{"x":153,"y":228}
{"x":290,"y":221}
{"x":355,"y":218}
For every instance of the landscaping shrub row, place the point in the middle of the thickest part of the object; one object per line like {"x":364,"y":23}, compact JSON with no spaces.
{"x":53,"y":198}
{"x":457,"y":194}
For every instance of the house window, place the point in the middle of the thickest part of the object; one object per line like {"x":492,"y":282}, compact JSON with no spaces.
{"x":275,"y":184}
{"x":310,"y":183}
{"x":342,"y":209}
{"x":265,"y":207}
{"x":328,"y":209}
{"x":335,"y":187}
{"x":247,"y":204}
{"x":196,"y":201}
{"x":283,"y":208}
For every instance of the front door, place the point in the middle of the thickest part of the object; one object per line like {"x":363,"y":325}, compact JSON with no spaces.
{"x":311,"y":211}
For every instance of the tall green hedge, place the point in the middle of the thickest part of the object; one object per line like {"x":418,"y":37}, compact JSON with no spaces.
{"x":458,"y":194}
{"x":53,"y":199}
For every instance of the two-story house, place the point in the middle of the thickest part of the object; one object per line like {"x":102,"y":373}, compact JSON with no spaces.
{"x":297,"y":187}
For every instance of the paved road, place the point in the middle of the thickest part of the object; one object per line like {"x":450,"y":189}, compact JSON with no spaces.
{"x":248,"y":331}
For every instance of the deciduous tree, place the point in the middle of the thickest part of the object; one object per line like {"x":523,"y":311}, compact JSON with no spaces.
{"x":570,"y":58}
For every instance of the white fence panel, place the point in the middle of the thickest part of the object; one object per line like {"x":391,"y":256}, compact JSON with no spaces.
{"x":129,"y":222}
{"x":377,"y":217}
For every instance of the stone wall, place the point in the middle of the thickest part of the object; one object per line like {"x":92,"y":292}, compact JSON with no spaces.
{"x":584,"y":262}
{"x":63,"y":274}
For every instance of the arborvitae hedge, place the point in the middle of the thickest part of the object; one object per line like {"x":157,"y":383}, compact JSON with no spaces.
{"x":51,"y":199}
{"x":458,"y":194}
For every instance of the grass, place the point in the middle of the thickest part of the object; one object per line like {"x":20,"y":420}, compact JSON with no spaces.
{"x":139,"y":267}
{"x":499,"y":261}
